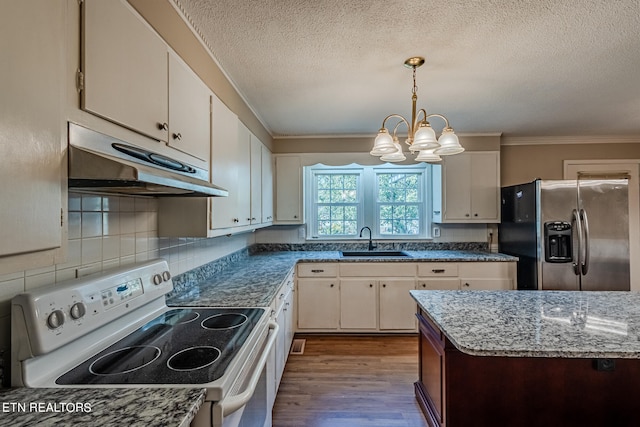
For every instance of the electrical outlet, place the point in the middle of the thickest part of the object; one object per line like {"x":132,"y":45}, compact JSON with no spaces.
{"x":436,"y":231}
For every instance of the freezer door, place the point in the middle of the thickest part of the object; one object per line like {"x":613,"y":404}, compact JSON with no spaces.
{"x":557,"y":202}
{"x":604,"y":206}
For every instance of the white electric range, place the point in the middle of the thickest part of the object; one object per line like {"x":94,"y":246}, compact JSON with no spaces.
{"x":114,"y":329}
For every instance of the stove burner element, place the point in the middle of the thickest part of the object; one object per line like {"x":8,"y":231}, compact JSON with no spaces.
{"x":224,"y":321}
{"x":125,"y":360}
{"x":179,"y":317}
{"x":193,"y":358}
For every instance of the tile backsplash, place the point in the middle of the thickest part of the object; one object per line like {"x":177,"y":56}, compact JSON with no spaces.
{"x":112,"y":231}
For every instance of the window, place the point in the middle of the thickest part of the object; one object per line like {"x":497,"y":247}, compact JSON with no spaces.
{"x":389,"y":199}
{"x":399,"y":203}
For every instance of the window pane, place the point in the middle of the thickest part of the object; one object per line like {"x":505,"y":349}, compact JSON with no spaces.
{"x":324,"y":181}
{"x":351,"y":213}
{"x":350,"y":227}
{"x":324,"y":213}
{"x":324,"y":196}
{"x":337,"y":181}
{"x":412,"y":212}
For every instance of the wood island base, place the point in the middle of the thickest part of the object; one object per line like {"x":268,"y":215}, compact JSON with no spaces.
{"x":459,"y":390}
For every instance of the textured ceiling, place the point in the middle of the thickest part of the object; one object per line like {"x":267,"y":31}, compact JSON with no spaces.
{"x":523,"y":68}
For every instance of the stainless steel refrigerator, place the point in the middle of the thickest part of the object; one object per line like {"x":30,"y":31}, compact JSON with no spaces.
{"x":568,"y":234}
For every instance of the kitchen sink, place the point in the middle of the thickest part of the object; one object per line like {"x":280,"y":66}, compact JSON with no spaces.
{"x":373,"y":254}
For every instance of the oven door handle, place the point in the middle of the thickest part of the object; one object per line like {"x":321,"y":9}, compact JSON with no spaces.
{"x":233,"y":403}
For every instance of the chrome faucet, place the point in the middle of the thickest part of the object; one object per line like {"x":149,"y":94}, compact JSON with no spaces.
{"x":371,"y":246}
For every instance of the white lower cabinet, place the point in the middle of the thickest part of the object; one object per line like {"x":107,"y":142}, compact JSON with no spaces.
{"x":282,"y":314}
{"x":318,"y":304}
{"x":397,"y":308}
{"x":374,"y":297}
{"x":358,"y":303}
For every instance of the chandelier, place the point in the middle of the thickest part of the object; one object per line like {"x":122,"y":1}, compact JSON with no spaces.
{"x":421,"y":137}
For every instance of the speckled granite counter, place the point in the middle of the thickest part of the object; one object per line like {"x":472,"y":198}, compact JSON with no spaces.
{"x":132,"y":407}
{"x":537,"y":323}
{"x":252,"y":281}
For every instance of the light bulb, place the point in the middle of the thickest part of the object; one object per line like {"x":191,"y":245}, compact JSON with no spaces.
{"x":428,"y":156}
{"x":449,"y":143}
{"x":396,"y":156}
{"x":424,"y":138}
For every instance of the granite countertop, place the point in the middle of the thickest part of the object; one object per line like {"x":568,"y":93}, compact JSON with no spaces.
{"x":537,"y":323}
{"x":254,"y":280}
{"x":133,"y":407}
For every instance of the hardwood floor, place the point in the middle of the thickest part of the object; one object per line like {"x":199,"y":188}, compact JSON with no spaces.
{"x":350,"y":381}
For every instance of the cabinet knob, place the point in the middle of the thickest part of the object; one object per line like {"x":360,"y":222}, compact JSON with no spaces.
{"x":163,"y":126}
{"x":253,"y":219}
{"x":249,"y":219}
{"x":436,"y":212}
{"x":317,"y":271}
{"x":371,"y":285}
{"x":177,"y":136}
{"x":424,"y":285}
{"x":295,"y":216}
{"x":475,"y":214}
{"x":384,"y":285}
{"x":438,"y":270}
{"x":236,"y":220}
{"x":467,"y":285}
{"x":466,"y":215}
{"x":332,"y":285}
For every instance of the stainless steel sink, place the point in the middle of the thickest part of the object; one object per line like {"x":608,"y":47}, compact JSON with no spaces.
{"x":374,"y":254}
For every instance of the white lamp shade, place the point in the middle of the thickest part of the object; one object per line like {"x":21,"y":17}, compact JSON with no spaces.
{"x":383,"y":144}
{"x":424,"y":138}
{"x":396,"y":156}
{"x":428,"y":156}
{"x":449,"y":144}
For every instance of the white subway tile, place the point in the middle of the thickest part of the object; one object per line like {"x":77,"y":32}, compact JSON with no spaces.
{"x":127,"y":244}
{"x":127,"y":223}
{"x":111,"y":223}
{"x":111,"y":203}
{"x":74,"y":255}
{"x":41,"y":270}
{"x":65,"y":274}
{"x":39,"y":280}
{"x":141,"y":221}
{"x":91,"y":202}
{"x":85,"y":270}
{"x":142,"y":242}
{"x":91,"y":250}
{"x":111,"y":263}
{"x":127,"y":260}
{"x":75,"y":225}
{"x":127,"y":204}
{"x":110,"y":247}
{"x":140,"y":204}
{"x":91,"y":224}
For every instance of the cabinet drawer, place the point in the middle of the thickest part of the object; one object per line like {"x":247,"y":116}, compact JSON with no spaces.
{"x":439,"y":284}
{"x":317,"y":270}
{"x":478,"y":270}
{"x":377,"y":269}
{"x":438,"y":269}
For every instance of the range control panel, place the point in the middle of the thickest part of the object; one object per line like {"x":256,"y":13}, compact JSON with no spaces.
{"x":51,"y":317}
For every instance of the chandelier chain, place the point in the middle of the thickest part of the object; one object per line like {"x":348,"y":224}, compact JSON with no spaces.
{"x":415,"y":88}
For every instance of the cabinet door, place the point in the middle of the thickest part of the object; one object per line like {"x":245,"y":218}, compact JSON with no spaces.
{"x":256,"y":179}
{"x":32,"y":129}
{"x":267,"y":185}
{"x":224,"y":171}
{"x":485,"y":172}
{"x":318,"y":304}
{"x":457,"y":187}
{"x":243,"y":161}
{"x":397,"y":308}
{"x":281,"y":356}
{"x":358,"y":305}
{"x":288,"y":323}
{"x":125,"y":68}
{"x":189,"y":107}
{"x":289,"y":189}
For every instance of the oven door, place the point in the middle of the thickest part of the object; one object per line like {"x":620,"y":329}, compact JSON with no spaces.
{"x":247,"y":404}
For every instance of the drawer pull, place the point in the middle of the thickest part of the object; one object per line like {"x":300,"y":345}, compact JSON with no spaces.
{"x":438,"y":270}
{"x":317,"y":271}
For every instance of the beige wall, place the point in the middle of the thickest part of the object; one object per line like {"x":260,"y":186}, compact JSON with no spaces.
{"x":524,"y":163}
{"x":167,"y":22}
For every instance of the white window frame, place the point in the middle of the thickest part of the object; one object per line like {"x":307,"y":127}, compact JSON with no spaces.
{"x":420,"y":204}
{"x":368,"y":214}
{"x":313,"y":221}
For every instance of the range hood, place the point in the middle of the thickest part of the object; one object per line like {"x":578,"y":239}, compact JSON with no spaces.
{"x":101,"y":163}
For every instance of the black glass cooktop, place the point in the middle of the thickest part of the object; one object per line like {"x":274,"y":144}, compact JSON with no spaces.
{"x":181,"y":346}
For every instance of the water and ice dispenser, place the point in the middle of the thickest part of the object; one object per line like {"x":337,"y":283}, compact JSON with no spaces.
{"x":557,"y":241}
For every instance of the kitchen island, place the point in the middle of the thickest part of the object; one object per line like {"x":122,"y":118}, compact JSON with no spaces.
{"x":529,"y":358}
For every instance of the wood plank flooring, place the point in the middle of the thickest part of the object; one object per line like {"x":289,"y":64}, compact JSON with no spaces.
{"x":350,"y":381}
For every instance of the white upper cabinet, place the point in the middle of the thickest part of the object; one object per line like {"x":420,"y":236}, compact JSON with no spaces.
{"x":189,"y":110}
{"x":243,"y":183}
{"x":224,"y":171}
{"x":33,"y":133}
{"x":256,"y":180}
{"x":132,"y":78}
{"x":267,"y":185}
{"x":466,"y":188}
{"x":125,"y":69}
{"x":288,"y":189}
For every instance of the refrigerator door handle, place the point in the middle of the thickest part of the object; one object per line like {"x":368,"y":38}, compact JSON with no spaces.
{"x":584,"y":265}
{"x":576,"y":225}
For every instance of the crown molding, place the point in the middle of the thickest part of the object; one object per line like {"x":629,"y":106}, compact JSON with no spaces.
{"x":370,"y":135}
{"x":568,"y":140}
